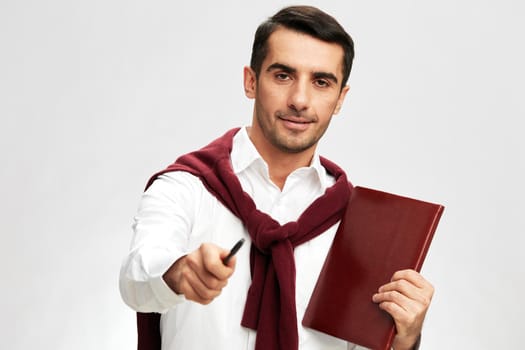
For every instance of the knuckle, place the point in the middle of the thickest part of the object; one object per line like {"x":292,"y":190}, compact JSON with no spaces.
{"x":431,"y":290}
{"x":426,"y":300}
{"x":394,"y":284}
{"x":204,"y":246}
{"x":218,"y":284}
{"x":400,"y":285}
{"x":192,"y":260}
{"x":213,"y":284}
{"x":394,"y":295}
{"x":186,"y":274}
{"x":209,"y":295}
{"x":210,"y":264}
{"x":427,"y":295}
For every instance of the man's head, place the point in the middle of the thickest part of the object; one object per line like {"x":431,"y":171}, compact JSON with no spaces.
{"x":307,"y":20}
{"x":300,"y":64}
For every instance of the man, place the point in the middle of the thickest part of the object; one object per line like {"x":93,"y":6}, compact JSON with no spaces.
{"x":267,"y":184}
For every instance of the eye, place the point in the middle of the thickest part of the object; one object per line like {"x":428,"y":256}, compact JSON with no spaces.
{"x":282,"y":76}
{"x":322,"y":83}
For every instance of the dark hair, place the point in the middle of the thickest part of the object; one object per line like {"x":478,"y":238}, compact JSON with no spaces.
{"x":308,"y":20}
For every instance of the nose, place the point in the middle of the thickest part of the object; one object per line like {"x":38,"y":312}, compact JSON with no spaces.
{"x":299,"y":96}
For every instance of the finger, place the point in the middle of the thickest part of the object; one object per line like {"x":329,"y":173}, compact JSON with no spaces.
{"x":406,"y":322}
{"x":408,"y":289}
{"x":408,"y":315}
{"x":394,"y":297}
{"x":196,"y":290}
{"x":395,"y":310}
{"x":412,"y":276}
{"x":423,"y":290}
{"x":212,"y":257}
{"x":191,"y":294}
{"x":200,"y":277}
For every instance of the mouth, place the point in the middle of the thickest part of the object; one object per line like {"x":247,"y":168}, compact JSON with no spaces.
{"x":294,"y":122}
{"x":294,"y":118}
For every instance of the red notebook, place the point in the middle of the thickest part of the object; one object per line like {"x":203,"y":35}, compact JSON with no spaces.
{"x":380,"y":233}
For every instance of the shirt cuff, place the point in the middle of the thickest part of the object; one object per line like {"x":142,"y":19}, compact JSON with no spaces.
{"x":164,"y":294}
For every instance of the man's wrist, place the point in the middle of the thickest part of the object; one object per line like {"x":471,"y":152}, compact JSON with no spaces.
{"x":172,"y":276}
{"x":404,"y":344}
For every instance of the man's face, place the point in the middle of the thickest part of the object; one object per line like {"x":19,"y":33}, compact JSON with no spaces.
{"x":297,"y":91}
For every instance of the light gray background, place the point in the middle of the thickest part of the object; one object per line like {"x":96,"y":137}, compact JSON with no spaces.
{"x":96,"y":96}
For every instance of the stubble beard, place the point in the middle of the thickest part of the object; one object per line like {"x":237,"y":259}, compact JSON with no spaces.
{"x":293,"y":142}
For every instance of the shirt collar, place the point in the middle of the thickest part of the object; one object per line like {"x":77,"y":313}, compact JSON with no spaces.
{"x":244,"y":155}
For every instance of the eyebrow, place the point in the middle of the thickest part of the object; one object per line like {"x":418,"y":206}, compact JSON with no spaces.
{"x":280,"y":66}
{"x":288,"y":69}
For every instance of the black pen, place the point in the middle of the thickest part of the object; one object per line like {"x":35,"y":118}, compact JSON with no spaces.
{"x":232,"y":252}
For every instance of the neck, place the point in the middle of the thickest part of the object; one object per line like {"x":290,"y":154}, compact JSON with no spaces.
{"x":280,"y":163}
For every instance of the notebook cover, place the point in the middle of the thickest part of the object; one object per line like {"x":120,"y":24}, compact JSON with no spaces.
{"x":379,"y":234}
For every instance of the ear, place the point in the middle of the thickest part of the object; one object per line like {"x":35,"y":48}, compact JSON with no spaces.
{"x":341,"y":99}
{"x":250,"y":82}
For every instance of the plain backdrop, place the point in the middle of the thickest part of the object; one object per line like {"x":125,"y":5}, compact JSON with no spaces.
{"x":95,"y":96}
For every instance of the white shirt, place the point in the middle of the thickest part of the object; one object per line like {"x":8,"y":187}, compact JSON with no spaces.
{"x":176,"y":214}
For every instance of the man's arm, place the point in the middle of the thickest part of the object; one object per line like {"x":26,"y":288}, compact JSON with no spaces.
{"x":162,"y":232}
{"x":406,"y":298}
{"x":161,"y":270}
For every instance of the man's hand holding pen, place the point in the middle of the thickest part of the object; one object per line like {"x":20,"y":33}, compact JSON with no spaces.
{"x":201,"y":275}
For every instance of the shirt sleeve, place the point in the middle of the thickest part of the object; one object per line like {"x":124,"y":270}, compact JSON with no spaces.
{"x":161,"y":231}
